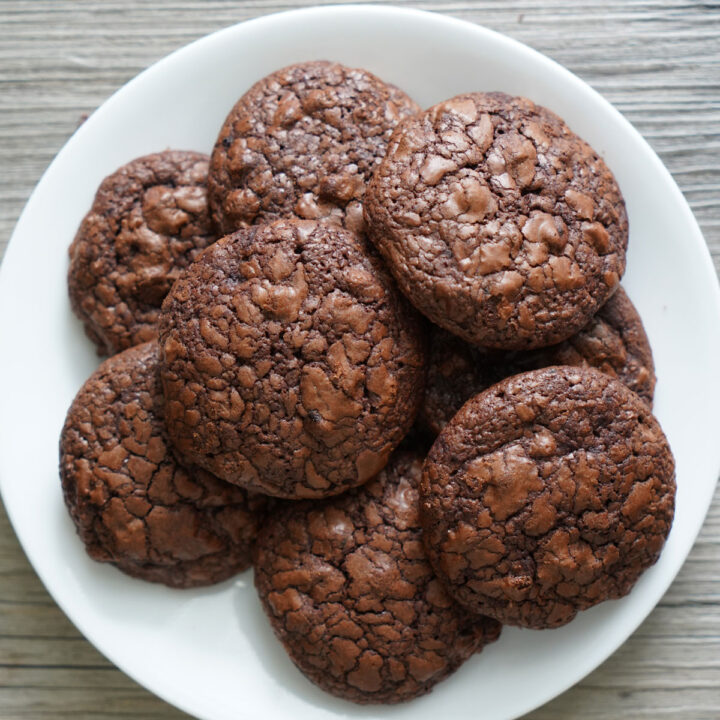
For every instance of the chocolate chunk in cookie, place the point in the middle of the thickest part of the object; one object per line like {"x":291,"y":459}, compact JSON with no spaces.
{"x":149,"y":220}
{"x":547,"y":494}
{"x":352,"y":597}
{"x":614,"y":341}
{"x":499,"y":223}
{"x":291,"y":364}
{"x":132,"y":504}
{"x":303,"y":141}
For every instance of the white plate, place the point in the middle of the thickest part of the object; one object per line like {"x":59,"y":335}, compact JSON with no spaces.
{"x":211,"y":652}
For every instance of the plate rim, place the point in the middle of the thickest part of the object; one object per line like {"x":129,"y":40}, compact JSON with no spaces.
{"x":388,"y":11}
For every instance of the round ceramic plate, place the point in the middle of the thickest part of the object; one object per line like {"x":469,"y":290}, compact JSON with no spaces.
{"x":211,"y":652}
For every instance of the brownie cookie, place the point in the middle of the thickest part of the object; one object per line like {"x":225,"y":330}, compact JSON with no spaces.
{"x":149,"y":220}
{"x":499,"y":223}
{"x":352,"y":597}
{"x":292,"y":365}
{"x":132,"y":504}
{"x":303,"y":141}
{"x":614,"y":342}
{"x":547,"y":494}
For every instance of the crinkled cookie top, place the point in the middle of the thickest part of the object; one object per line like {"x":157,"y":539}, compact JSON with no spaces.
{"x":291,"y":363}
{"x":547,"y":494}
{"x":499,"y":223}
{"x":303,"y":141}
{"x":133,"y":505}
{"x":148,"y":222}
{"x":351,"y":595}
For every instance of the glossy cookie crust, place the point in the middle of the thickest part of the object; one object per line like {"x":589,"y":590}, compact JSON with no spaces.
{"x":303,"y":141}
{"x":291,"y":363}
{"x":133,"y":505}
{"x":499,"y":223}
{"x":148,"y":222}
{"x":350,"y":594}
{"x":546,"y":494}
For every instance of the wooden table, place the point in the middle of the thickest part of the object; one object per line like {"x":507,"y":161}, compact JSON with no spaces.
{"x":658,"y":61}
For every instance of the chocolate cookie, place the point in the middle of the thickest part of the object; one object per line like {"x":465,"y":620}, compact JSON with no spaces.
{"x":149,"y":220}
{"x":303,"y":141}
{"x":547,"y":494}
{"x":499,"y":223}
{"x":352,"y":597}
{"x":614,"y":342}
{"x":132,"y":504}
{"x":291,"y":365}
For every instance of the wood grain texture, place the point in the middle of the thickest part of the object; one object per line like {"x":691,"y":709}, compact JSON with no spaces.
{"x":657,"y":61}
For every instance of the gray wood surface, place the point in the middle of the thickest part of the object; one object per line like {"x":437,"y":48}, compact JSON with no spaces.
{"x":658,"y":61}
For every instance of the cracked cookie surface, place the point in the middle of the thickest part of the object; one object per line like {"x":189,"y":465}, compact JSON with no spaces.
{"x":614,"y":341}
{"x":303,"y":141}
{"x":148,"y":221}
{"x":499,"y":223}
{"x":350,"y":594}
{"x":132,"y":504}
{"x":547,"y":494}
{"x":291,"y":363}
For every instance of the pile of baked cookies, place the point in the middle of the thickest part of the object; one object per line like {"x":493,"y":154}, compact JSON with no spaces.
{"x":383,"y":356}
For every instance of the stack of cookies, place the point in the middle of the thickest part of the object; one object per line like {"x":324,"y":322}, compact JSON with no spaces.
{"x":383,"y":356}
